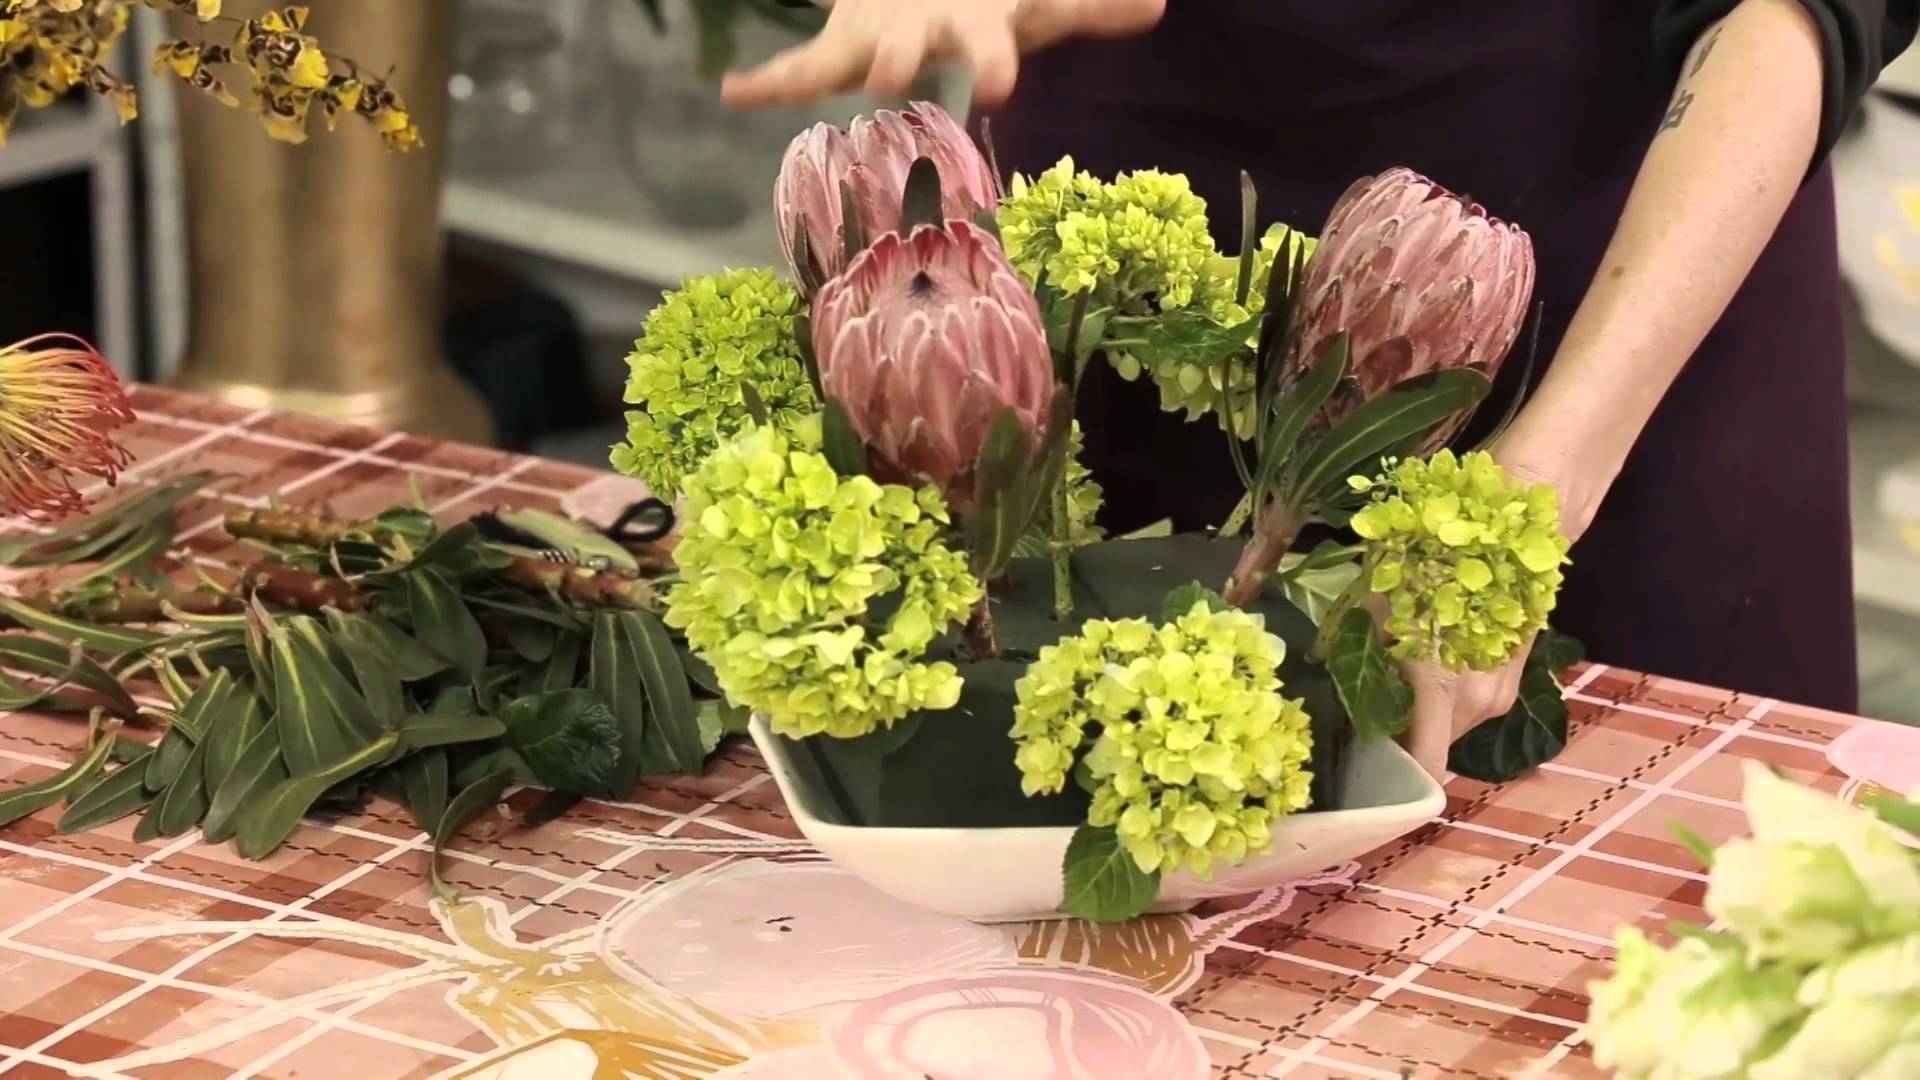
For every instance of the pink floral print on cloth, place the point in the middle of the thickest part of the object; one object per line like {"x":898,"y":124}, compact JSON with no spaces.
{"x":1878,"y":753}
{"x":1878,"y":758}
{"x":1016,"y":1025}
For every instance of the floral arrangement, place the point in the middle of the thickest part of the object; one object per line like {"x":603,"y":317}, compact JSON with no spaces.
{"x":1813,"y":968}
{"x":890,"y":549}
{"x":48,"y":47}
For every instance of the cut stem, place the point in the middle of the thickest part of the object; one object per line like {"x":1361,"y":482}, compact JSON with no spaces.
{"x":1272,"y":538}
{"x":979,"y":630}
{"x":1062,"y":552}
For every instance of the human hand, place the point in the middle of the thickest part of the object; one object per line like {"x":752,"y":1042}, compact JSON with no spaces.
{"x":1448,"y":704}
{"x":882,"y":45}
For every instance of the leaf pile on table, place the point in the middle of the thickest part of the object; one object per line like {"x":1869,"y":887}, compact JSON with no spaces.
{"x":893,"y":554}
{"x":437,"y":665}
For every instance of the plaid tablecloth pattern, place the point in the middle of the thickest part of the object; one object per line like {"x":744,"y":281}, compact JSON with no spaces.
{"x":1461,"y":950}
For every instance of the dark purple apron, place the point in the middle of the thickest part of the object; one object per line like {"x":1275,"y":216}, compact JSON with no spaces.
{"x":1722,"y":554}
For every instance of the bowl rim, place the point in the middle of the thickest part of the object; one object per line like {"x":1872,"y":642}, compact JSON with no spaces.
{"x":1430,"y":802}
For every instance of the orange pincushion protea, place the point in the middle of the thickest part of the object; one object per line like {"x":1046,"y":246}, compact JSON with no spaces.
{"x":59,"y":406}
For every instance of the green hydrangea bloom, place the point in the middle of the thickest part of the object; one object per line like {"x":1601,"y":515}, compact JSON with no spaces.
{"x":697,"y":347}
{"x":1199,"y":389}
{"x":1144,"y":235}
{"x":1194,"y":750}
{"x":782,"y":563}
{"x":1469,"y":560}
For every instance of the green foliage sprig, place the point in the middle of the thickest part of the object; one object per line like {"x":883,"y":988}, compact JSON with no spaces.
{"x":425,"y":662}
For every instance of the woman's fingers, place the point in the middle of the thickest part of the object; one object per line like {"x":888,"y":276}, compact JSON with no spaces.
{"x":984,"y":40}
{"x":1435,"y":695}
{"x":898,"y":54}
{"x":839,"y":58}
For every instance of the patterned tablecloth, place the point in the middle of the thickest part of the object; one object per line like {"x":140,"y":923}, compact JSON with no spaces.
{"x":691,"y":933}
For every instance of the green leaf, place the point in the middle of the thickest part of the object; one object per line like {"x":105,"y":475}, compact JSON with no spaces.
{"x":920,"y":202}
{"x":1398,"y":416}
{"x":323,"y":719}
{"x":108,"y":799}
{"x":699,"y":673}
{"x":1895,"y":811}
{"x":272,"y":818}
{"x":67,"y":664}
{"x":136,"y":557}
{"x":1379,"y":701}
{"x":410,"y":660}
{"x":1004,"y":455}
{"x":379,"y":683}
{"x":562,"y":668}
{"x":240,"y":717}
{"x":1292,"y":412}
{"x":1186,"y":336}
{"x":1315,"y":590}
{"x":28,"y":799}
{"x":845,"y":450}
{"x":569,"y":739}
{"x":473,"y":800}
{"x":673,"y":728}
{"x":1103,"y":883}
{"x":559,"y":618}
{"x":1249,"y":238}
{"x":169,"y":757}
{"x":531,"y":641}
{"x":501,"y":758}
{"x":457,"y":551}
{"x":260,"y":653}
{"x":613,"y":671}
{"x":443,"y":623}
{"x":1557,"y":651}
{"x":259,"y":769}
{"x":719,"y":719}
{"x":1181,"y":600}
{"x":107,"y":639}
{"x":203,"y":704}
{"x":424,"y":787}
{"x":88,"y":537}
{"x":1695,"y":844}
{"x":1159,"y":530}
{"x":580,"y":541}
{"x":410,"y":523}
{"x":184,"y":803}
{"x":1533,"y":731}
{"x":421,"y":730}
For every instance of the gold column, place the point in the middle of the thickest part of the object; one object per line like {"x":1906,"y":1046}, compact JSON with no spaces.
{"x":315,"y":271}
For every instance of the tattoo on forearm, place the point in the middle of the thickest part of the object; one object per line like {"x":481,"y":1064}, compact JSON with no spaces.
{"x":1683,"y":98}
{"x":1677,"y":112}
{"x":1706,"y":50}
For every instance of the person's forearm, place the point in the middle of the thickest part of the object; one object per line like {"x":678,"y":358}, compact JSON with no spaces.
{"x":1729,"y":156}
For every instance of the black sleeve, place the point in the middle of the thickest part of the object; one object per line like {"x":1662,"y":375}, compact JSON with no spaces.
{"x":1858,"y":38}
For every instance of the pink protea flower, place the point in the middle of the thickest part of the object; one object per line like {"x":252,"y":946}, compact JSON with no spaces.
{"x":1420,"y":278}
{"x":872,"y":157}
{"x":59,"y":406}
{"x":923,"y":340}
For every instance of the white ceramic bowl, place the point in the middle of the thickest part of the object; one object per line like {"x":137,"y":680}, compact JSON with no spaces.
{"x":1013,"y":875}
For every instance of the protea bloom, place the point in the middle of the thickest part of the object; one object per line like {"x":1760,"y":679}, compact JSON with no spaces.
{"x":923,"y":340}
{"x":1421,"y":279}
{"x":59,"y":406}
{"x":872,"y":157}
